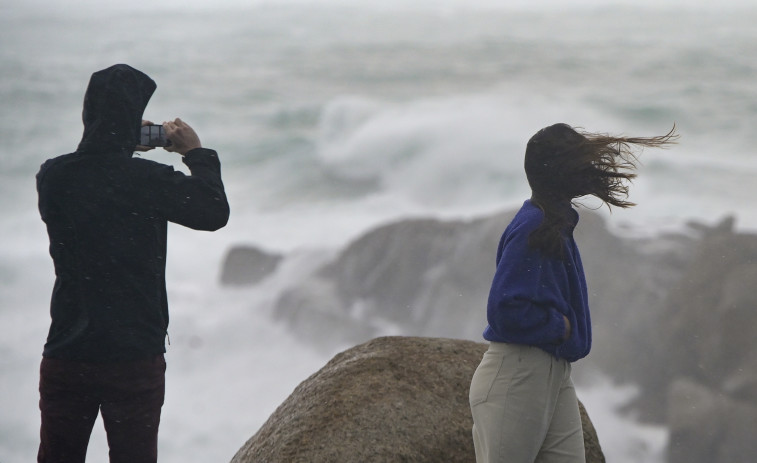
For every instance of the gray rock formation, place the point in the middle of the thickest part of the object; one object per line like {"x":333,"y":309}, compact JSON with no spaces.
{"x":710,"y":313}
{"x":708,"y":426}
{"x":701,"y":354}
{"x":431,"y":278}
{"x":392,"y":399}
{"x":663,"y":308}
{"x":246,"y":265}
{"x":416,"y":277}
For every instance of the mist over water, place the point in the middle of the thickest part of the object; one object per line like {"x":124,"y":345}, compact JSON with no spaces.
{"x":332,"y":120}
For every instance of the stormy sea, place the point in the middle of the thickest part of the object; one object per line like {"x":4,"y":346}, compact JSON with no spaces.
{"x":331,"y":119}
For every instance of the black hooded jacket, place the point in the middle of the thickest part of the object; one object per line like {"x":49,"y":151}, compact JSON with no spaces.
{"x":106,"y":214}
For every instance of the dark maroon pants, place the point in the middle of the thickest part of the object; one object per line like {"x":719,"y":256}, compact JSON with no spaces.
{"x":129,"y":395}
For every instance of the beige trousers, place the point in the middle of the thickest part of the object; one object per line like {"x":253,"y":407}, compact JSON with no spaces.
{"x":525,"y":408}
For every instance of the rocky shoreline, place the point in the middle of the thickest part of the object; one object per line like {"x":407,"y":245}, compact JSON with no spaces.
{"x":672,"y":314}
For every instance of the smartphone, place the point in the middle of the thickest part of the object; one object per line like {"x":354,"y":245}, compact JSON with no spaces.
{"x":153,"y":135}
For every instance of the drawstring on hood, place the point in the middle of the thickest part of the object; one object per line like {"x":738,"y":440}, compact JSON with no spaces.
{"x":114,"y":103}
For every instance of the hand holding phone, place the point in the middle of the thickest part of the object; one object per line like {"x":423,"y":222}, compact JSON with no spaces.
{"x":183,"y":137}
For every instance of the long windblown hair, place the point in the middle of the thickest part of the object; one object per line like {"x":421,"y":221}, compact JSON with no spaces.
{"x":563,"y":164}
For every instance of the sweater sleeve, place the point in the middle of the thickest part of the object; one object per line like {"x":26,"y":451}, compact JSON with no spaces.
{"x":525,"y":303}
{"x":197,"y":201}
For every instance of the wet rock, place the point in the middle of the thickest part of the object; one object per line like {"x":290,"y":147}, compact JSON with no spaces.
{"x":247,"y":265}
{"x":420,"y":277}
{"x":705,"y":328}
{"x":708,"y":426}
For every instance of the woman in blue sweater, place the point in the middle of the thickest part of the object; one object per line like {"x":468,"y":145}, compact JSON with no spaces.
{"x":522,"y":399}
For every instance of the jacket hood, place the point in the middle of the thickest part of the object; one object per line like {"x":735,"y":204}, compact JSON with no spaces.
{"x":114,"y":103}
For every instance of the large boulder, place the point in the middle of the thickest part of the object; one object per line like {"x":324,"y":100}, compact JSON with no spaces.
{"x":389,"y":400}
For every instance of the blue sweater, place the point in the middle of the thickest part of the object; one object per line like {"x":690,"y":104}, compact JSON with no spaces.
{"x":531,"y":292}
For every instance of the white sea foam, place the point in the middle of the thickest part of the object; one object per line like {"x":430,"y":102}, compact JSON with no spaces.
{"x":620,"y":434}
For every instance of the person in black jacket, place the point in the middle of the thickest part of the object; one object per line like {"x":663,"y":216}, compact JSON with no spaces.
{"x":106,"y":214}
